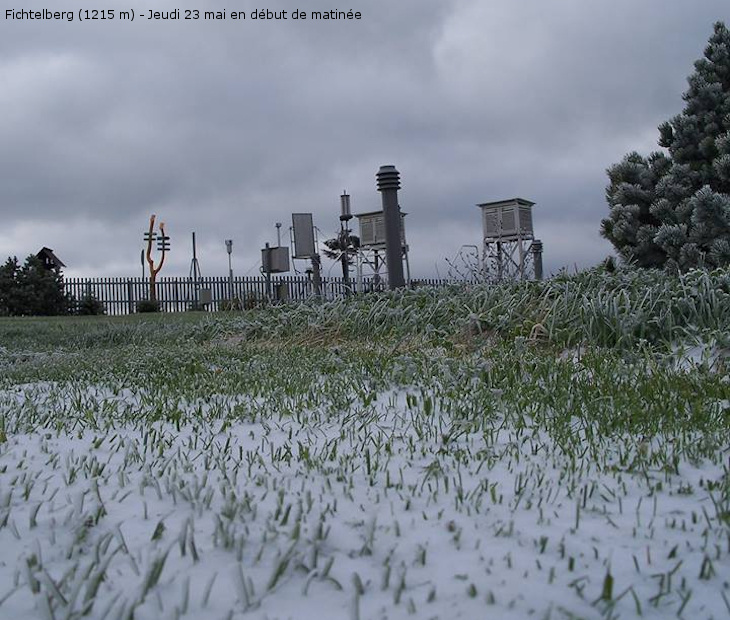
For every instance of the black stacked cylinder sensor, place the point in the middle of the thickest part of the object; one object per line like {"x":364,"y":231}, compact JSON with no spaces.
{"x":388,"y":185}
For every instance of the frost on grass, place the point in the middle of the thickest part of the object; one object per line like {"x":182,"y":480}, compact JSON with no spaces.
{"x":295,"y":483}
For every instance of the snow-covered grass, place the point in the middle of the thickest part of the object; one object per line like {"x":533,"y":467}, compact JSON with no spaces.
{"x":299,"y":463}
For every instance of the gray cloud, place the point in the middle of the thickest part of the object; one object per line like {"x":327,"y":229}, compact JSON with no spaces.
{"x":226,"y":128}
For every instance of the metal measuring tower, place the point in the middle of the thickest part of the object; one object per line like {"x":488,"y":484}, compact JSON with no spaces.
{"x":383,"y":236}
{"x":275,"y":260}
{"x":305,"y":247}
{"x":345,"y":240}
{"x":511,"y":251}
{"x":229,"y":251}
{"x":371,"y":255}
{"x":388,"y":185}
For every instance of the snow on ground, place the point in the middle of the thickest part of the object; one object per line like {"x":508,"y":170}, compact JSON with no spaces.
{"x":708,"y":355}
{"x":394,"y":508}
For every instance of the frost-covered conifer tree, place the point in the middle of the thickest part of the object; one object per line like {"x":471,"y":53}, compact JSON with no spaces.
{"x":673,"y":209}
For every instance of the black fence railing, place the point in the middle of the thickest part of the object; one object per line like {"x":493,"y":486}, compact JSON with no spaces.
{"x":121,"y":295}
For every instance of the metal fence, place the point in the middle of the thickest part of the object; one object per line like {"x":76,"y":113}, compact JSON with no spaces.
{"x":121,"y":295}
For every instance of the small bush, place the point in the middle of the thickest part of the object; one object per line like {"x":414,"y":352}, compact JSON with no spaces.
{"x":252,"y":301}
{"x":89,"y":305}
{"x":230,"y":304}
{"x":148,"y":305}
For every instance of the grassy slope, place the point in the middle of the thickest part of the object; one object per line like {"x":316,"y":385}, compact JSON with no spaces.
{"x":582,"y":369}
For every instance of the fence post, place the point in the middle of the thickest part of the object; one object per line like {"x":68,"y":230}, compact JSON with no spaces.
{"x":130,"y":296}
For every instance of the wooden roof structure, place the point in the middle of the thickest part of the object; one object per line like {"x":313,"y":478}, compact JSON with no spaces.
{"x":49,"y":259}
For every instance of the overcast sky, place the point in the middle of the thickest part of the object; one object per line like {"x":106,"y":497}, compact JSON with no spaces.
{"x":227,"y":127}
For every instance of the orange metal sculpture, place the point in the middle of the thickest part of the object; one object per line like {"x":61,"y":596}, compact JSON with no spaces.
{"x":162,"y":245}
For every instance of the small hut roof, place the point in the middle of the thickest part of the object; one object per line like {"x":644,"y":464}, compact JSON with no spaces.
{"x":48,"y":257}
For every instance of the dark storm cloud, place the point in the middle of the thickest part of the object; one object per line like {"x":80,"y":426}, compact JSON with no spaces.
{"x":227,"y":127}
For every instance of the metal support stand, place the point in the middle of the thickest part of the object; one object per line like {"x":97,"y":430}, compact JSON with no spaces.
{"x":195,"y":276}
{"x":345,"y":217}
{"x":267,"y":275}
{"x":514,"y":259}
{"x":229,"y":249}
{"x":536,"y":250}
{"x":317,"y":275}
